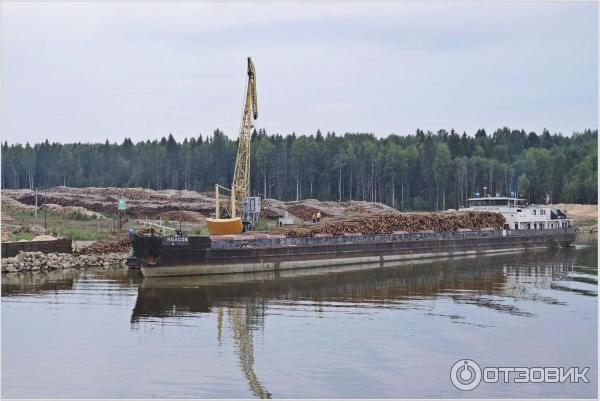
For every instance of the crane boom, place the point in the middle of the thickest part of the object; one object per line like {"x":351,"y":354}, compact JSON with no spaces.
{"x":241,"y":173}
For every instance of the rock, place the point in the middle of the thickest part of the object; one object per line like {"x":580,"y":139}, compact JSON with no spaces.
{"x":37,"y":229}
{"x":9,"y":268}
{"x":38,"y":261}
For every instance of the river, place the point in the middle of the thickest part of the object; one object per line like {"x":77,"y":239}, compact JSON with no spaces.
{"x":380,"y":333}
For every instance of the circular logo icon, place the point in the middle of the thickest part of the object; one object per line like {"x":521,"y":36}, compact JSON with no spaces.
{"x":465,"y":374}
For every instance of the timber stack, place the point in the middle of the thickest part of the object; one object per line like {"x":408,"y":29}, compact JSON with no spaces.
{"x":304,"y":212}
{"x":388,"y":223}
{"x":106,"y":247}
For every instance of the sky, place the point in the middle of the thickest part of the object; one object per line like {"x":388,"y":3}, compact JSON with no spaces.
{"x":88,"y":72}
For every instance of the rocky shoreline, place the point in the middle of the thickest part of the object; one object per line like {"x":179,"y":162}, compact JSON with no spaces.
{"x":38,"y":261}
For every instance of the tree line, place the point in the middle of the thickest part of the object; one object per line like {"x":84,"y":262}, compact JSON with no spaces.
{"x":424,"y":171}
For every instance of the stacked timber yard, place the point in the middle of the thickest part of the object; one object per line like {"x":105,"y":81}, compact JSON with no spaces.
{"x":88,"y":217}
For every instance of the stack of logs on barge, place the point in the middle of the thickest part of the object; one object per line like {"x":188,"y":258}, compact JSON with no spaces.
{"x":388,"y":223}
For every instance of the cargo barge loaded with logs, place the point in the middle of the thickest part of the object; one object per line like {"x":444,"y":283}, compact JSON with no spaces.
{"x":487,"y":226}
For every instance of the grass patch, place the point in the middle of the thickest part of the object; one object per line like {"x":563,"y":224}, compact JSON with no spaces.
{"x":81,"y":217}
{"x":18,"y":237}
{"x":81,"y":234}
{"x":24,"y":214}
{"x":266,"y":225}
{"x":76,"y":226}
{"x":586,"y":222}
{"x":201,"y":230}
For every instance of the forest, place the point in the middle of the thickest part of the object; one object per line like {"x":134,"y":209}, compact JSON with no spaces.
{"x":423,"y":171}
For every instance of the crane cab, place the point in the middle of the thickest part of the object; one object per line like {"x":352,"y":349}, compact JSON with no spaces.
{"x":251,"y":212}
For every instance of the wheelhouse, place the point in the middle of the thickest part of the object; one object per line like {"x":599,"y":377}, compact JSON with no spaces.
{"x":520,"y":215}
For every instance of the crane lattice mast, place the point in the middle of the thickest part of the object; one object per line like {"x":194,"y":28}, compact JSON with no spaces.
{"x":241,"y":173}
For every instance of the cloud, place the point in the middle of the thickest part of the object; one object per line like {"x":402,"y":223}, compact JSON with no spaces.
{"x":92,"y":71}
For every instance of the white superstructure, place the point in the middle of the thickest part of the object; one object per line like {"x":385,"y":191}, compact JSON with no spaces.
{"x":519,"y":215}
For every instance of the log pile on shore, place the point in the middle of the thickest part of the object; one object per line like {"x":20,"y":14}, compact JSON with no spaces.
{"x":387,"y":223}
{"x":166,"y":204}
{"x":38,"y":261}
{"x":119,"y":245}
{"x":305,"y":212}
{"x":106,"y":247}
{"x":183,"y":215}
{"x":140,"y":202}
{"x":10,"y":205}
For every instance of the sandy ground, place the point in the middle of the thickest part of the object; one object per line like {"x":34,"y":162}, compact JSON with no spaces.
{"x":579,"y":212}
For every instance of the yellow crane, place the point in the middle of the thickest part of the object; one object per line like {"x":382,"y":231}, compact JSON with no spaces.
{"x":250,"y":206}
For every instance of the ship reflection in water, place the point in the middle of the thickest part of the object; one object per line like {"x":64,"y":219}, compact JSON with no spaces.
{"x":463,"y":280}
{"x":381,"y":332}
{"x":468,"y":281}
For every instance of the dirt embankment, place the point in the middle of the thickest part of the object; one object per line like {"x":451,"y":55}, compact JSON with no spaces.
{"x":581,"y":213}
{"x":140,"y":202}
{"x":195,"y":207}
{"x":305,"y":208}
{"x":189,"y":206}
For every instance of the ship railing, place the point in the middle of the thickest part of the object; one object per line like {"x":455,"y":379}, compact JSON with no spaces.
{"x":540,"y":233}
{"x":413,"y":236}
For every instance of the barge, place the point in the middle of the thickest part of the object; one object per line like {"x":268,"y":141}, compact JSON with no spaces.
{"x":160,"y":256}
{"x":180,"y":255}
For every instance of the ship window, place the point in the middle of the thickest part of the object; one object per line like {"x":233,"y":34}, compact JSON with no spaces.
{"x":490,"y":202}
{"x":519,"y":210}
{"x":534,"y":212}
{"x":516,"y":226}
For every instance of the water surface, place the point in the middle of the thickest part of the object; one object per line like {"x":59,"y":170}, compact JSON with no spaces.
{"x":392,"y":332}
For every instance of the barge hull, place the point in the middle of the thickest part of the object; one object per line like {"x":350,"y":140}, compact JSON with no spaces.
{"x":265,"y":266}
{"x":232,"y":260}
